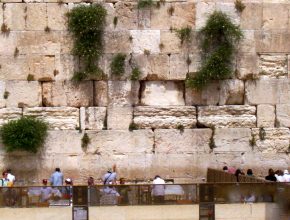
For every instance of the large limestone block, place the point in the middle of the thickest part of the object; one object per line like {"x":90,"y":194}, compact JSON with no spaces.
{"x":247,"y":45}
{"x":14,"y":16}
{"x":109,"y":143}
{"x":119,"y":117}
{"x":23,"y":93}
{"x":158,"y":67}
{"x":227,"y":116}
{"x":164,"y":117}
{"x":63,"y":143}
{"x":126,"y":13}
{"x":145,"y":40}
{"x":7,"y":114}
{"x":8,"y":43}
{"x":232,"y":139}
{"x":41,"y":67}
{"x":162,"y":93}
{"x":160,"y":17}
{"x":271,"y":140}
{"x":144,"y":19}
{"x":14,"y":68}
{"x":247,"y":66}
{"x":170,"y":43}
{"x":229,"y":9}
{"x":101,"y":93}
{"x":117,"y":42}
{"x":275,"y":16}
{"x":56,"y":16}
{"x":183,"y":15}
{"x":58,"y":118}
{"x":283,"y":115}
{"x":252,"y":16}
{"x":60,"y":94}
{"x":274,"y":41}
{"x":266,"y":116}
{"x":178,"y":67}
{"x":36,"y":16}
{"x":187,"y":142}
{"x":123,"y":93}
{"x":65,"y":66}
{"x":273,"y":66}
{"x":92,"y":118}
{"x":232,"y":92}
{"x":203,"y":11}
{"x":1,"y":13}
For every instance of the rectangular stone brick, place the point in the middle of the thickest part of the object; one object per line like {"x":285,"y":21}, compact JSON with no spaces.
{"x":273,"y":65}
{"x":56,"y":16}
{"x":119,"y":117}
{"x":57,"y":94}
{"x":8,"y":43}
{"x":227,"y":116}
{"x":247,"y":66}
{"x":145,"y":40}
{"x":14,"y":16}
{"x":123,"y":93}
{"x":178,"y":67}
{"x":117,"y":42}
{"x":187,"y":142}
{"x":92,"y":118}
{"x":7,"y":114}
{"x":183,"y":15}
{"x":41,"y":67}
{"x":275,"y":16}
{"x":266,"y":116}
{"x":101,"y":93}
{"x":160,"y":18}
{"x":251,"y":18}
{"x":127,"y":15}
{"x":58,"y":118}
{"x":165,"y":117}
{"x":283,"y":115}
{"x":232,"y":139}
{"x":275,"y":41}
{"x":36,"y":17}
{"x":203,"y":11}
{"x":13,"y":68}
{"x":169,"y":42}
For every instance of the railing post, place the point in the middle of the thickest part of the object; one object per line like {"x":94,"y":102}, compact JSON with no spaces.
{"x":80,"y":210}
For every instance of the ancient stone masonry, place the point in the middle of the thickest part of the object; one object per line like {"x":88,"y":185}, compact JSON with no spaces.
{"x":243,"y":121}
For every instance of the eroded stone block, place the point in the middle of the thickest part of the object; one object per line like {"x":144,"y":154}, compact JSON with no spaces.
{"x":165,"y":117}
{"x":60,"y":94}
{"x":58,"y":118}
{"x":271,"y":140}
{"x":36,"y":17}
{"x":14,"y":16}
{"x":127,"y":15}
{"x":227,"y":116}
{"x":123,"y":93}
{"x":7,"y":114}
{"x":56,"y":16}
{"x":187,"y":142}
{"x":183,"y":15}
{"x":92,"y":118}
{"x":117,"y":42}
{"x":273,"y":66}
{"x":232,"y":92}
{"x":178,"y":67}
{"x":162,"y":93}
{"x":265,"y":116}
{"x":145,"y":40}
{"x":101,"y":93}
{"x":274,"y":41}
{"x":251,"y":18}
{"x":275,"y":16}
{"x":232,"y":139}
{"x":203,"y":11}
{"x":119,"y":117}
{"x":169,"y":42}
{"x":283,"y":115}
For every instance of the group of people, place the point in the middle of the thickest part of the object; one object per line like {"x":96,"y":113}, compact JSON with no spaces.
{"x":7,"y":179}
{"x":275,"y":176}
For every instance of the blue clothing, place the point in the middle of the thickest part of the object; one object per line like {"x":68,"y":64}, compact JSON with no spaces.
{"x":109,"y":177}
{"x":56,"y":179}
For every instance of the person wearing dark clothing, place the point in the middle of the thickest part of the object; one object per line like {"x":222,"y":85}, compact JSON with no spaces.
{"x":271,"y":176}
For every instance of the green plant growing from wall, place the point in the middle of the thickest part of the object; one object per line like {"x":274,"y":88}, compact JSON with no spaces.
{"x":5,"y":29}
{"x":6,"y":95}
{"x":262,"y":134}
{"x":86,"y":24}
{"x":171,"y":10}
{"x":30,"y":77}
{"x":184,"y":34}
{"x":115,"y":21}
{"x":133,"y":126}
{"x":143,"y":4}
{"x":26,"y":134}
{"x":252,"y":141}
{"x":118,"y":64}
{"x":239,"y":5}
{"x":135,"y":73}
{"x":218,"y":40}
{"x":85,"y":141}
{"x":211,"y":141}
{"x":16,"y":52}
{"x":47,"y":29}
{"x":180,"y":127}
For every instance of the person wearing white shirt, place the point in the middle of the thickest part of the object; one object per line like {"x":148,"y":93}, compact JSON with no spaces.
{"x":286,"y":176}
{"x":10,"y":176}
{"x":158,"y":190}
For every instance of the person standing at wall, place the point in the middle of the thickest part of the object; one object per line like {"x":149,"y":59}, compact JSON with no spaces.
{"x":110,"y":176}
{"x":56,"y":178}
{"x":10,"y":177}
{"x":158,"y":190}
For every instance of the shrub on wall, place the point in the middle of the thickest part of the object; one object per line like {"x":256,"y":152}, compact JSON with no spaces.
{"x":118,"y":64}
{"x":218,"y":40}
{"x":86,"y":23}
{"x":26,"y":134}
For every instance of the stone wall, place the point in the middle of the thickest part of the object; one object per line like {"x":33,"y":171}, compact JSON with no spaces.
{"x":219,"y":122}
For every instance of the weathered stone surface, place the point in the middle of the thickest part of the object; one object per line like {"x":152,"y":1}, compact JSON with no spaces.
{"x":60,"y":94}
{"x":144,"y":18}
{"x":7,"y":114}
{"x":178,"y":67}
{"x":145,"y":40}
{"x":160,"y":17}
{"x":169,"y":42}
{"x":92,"y":118}
{"x":162,"y":93}
{"x":232,"y":92}
{"x":275,"y":139}
{"x":108,"y":143}
{"x":203,"y":11}
{"x":41,"y":67}
{"x":251,"y":18}
{"x":247,"y":66}
{"x":229,"y":9}
{"x":1,"y":13}
{"x":232,"y":139}
{"x":119,"y":117}
{"x":23,"y":93}
{"x":275,"y":16}
{"x":65,"y":66}
{"x":8,"y":43}
{"x":36,"y":16}
{"x":157,"y":67}
{"x":277,"y":90}
{"x":164,"y":117}
{"x":14,"y":16}
{"x":127,"y":15}
{"x":227,"y":116}
{"x":265,"y":116}
{"x":187,"y":142}
{"x":123,"y":93}
{"x":247,"y":45}
{"x":117,"y":42}
{"x":274,"y":41}
{"x":183,"y":15}
{"x":56,"y":16}
{"x":283,"y":115}
{"x":58,"y":118}
{"x":101,"y":93}
{"x":274,"y":66}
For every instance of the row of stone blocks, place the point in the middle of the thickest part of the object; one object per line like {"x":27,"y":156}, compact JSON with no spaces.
{"x":154,"y":117}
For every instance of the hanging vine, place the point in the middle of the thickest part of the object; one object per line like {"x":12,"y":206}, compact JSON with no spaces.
{"x":86,"y":23}
{"x":218,"y":40}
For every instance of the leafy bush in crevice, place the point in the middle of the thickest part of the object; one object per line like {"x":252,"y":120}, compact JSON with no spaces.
{"x":118,"y":64}
{"x":262,"y":134}
{"x":133,"y":126}
{"x":239,"y":5}
{"x":183,"y":34}
{"x":26,"y":133}
{"x":142,"y":4}
{"x":218,"y":40}
{"x":86,"y":24}
{"x":135,"y":73}
{"x":85,"y":141}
